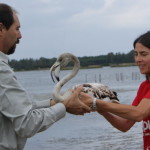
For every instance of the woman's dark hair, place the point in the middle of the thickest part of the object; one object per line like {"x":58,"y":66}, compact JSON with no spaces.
{"x":6,"y":15}
{"x":144,"y":39}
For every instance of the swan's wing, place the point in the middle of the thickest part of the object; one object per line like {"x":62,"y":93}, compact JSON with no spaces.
{"x":100,"y":91}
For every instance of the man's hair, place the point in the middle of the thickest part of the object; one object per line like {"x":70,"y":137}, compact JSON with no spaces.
{"x":6,"y":15}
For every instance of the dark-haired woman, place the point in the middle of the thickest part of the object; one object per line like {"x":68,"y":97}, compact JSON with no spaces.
{"x":123,"y":116}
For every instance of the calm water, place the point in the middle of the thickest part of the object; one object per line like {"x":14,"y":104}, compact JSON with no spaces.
{"x":91,"y":131}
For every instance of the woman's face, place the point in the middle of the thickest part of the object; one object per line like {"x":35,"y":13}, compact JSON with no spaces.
{"x":142,"y":58}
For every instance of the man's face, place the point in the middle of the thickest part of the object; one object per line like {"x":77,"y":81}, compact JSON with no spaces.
{"x":12,"y":36}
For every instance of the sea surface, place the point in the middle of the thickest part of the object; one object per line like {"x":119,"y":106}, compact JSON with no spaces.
{"x":91,"y":131}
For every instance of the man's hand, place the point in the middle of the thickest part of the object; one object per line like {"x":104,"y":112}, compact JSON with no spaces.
{"x":74,"y":105}
{"x":86,"y":99}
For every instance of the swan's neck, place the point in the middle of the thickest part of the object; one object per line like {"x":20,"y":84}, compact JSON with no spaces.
{"x":64,"y":80}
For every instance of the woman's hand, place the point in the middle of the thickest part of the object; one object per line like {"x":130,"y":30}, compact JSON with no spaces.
{"x":74,"y":105}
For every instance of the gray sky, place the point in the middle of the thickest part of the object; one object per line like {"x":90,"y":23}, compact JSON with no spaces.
{"x":81,"y":27}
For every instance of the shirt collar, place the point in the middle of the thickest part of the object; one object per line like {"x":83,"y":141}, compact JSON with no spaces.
{"x":4,"y":57}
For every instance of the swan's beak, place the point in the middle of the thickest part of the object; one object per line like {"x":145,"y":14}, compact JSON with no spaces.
{"x":55,"y":70}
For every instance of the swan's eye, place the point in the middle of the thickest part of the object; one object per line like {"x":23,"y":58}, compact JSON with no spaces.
{"x":60,"y":59}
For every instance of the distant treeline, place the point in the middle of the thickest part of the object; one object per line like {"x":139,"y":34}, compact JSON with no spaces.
{"x":86,"y":61}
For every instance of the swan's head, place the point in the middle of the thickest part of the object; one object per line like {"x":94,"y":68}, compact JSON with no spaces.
{"x":61,"y":61}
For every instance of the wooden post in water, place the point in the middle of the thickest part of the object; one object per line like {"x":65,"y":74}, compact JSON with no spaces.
{"x":121,"y":77}
{"x":99,"y":78}
{"x":135,"y":76}
{"x":132,"y":75}
{"x":85,"y":78}
{"x":95,"y":78}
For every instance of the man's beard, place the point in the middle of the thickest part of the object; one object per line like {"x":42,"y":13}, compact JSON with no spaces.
{"x":12,"y":49}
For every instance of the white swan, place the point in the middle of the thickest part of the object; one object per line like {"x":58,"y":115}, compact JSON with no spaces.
{"x":97,"y":90}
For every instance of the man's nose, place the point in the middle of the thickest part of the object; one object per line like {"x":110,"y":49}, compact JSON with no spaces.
{"x":19,"y":35}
